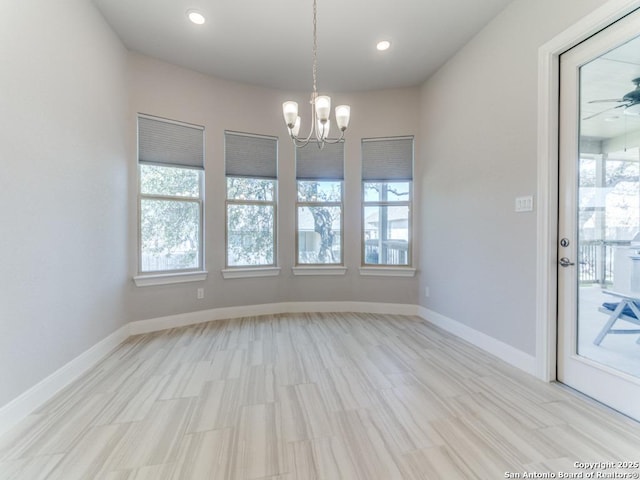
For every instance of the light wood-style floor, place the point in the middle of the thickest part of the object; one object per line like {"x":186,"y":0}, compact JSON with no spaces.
{"x":310,"y":396}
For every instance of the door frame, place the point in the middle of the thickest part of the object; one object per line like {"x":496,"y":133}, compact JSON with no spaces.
{"x":547,"y":174}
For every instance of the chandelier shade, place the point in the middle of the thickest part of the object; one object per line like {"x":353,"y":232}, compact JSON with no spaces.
{"x":290,"y":112}
{"x":343,"y":112}
{"x":320,"y":108}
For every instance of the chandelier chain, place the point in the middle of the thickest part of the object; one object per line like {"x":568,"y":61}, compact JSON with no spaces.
{"x":315,"y":49}
{"x":320,"y":107}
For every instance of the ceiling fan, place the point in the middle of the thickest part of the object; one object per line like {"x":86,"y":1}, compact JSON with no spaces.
{"x":630,"y":102}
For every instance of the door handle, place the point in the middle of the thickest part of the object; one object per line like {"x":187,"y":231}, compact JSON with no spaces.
{"x":565,"y":262}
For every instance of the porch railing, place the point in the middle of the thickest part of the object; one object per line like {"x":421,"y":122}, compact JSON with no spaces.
{"x":387,"y":252}
{"x":596,"y":259}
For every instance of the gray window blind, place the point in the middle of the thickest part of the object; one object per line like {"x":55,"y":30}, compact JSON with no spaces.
{"x":248,"y":155}
{"x":387,"y":158}
{"x":169,"y":143}
{"x":315,"y":164}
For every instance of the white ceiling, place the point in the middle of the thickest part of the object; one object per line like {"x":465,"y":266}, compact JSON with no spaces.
{"x":270,"y":43}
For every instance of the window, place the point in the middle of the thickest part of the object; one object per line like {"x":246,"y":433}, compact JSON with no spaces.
{"x":251,"y":171}
{"x":319,"y":176}
{"x":387,"y":166}
{"x":170,"y":162}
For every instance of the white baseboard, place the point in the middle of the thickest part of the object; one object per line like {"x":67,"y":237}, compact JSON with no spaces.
{"x":20,"y":407}
{"x":36,"y":396}
{"x":192,"y":318}
{"x":503,"y":351}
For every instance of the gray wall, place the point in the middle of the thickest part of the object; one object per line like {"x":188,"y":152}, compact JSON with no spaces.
{"x":169,"y":91}
{"x":63,"y":187}
{"x":69,"y":93}
{"x":69,"y":96}
{"x":478,"y":124}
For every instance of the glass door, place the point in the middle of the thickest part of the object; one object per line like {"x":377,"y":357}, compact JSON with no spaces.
{"x":599,"y":217}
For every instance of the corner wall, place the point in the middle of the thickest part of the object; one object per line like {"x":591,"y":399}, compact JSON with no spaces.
{"x":63,"y":187}
{"x":478,"y":121}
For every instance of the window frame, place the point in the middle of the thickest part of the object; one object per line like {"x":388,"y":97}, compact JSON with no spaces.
{"x":198,"y":200}
{"x":319,"y":204}
{"x":251,"y":156}
{"x":194,"y":162}
{"x":319,"y":163}
{"x":273,"y":203}
{"x":382,"y":203}
{"x":389,"y":172}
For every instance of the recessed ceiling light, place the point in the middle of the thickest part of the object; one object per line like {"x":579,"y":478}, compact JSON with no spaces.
{"x":196,"y":17}
{"x":383,"y":45}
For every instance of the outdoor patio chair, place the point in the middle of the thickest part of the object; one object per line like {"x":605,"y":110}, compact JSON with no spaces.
{"x":627,"y":309}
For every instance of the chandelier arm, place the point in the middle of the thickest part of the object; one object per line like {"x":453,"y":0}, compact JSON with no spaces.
{"x":299,"y":143}
{"x":305,"y":141}
{"x":333,"y":142}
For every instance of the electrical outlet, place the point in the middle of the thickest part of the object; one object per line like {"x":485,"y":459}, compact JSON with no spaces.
{"x":426,"y":292}
{"x":200,"y":293}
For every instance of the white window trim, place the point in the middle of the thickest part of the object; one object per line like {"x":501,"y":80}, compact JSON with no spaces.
{"x":258,"y":267}
{"x":383,"y":266}
{"x":199,"y":200}
{"x":319,"y":270}
{"x":145,"y":278}
{"x":169,"y":278}
{"x":309,"y":204}
{"x":250,"y":272}
{"x":387,"y":271}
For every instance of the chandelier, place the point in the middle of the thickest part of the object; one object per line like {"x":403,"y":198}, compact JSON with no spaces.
{"x":320,"y":108}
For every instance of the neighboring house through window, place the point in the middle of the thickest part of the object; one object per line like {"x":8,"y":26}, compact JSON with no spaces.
{"x":171,"y":164}
{"x":387,"y":174}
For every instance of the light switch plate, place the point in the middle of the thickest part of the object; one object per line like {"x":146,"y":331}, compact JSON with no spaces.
{"x":524,"y":204}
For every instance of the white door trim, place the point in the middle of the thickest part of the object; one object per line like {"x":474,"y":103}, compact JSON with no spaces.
{"x":547,"y":192}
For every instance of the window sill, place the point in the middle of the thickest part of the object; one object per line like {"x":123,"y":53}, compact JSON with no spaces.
{"x":329,"y":270}
{"x":387,"y":271}
{"x":251,"y":272}
{"x":169,"y":278}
